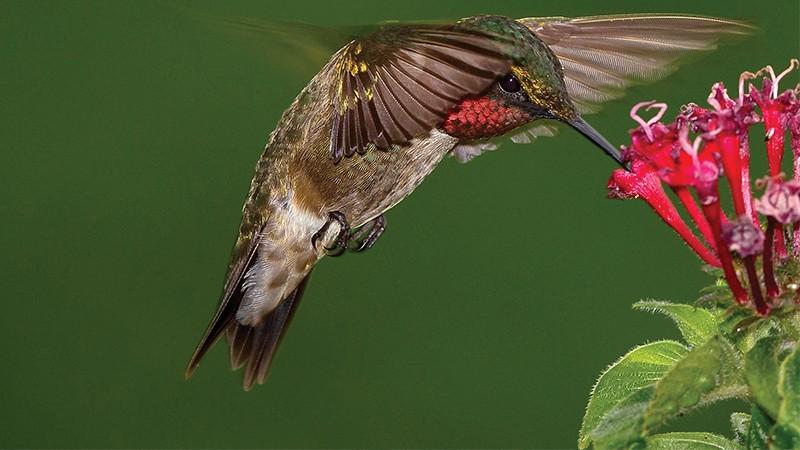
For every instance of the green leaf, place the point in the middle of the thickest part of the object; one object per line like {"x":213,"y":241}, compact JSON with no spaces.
{"x":762,"y":372}
{"x":622,"y":426}
{"x":709,"y":373}
{"x":641,"y":367}
{"x":697,"y":325}
{"x":760,"y":424}
{"x":787,"y":430}
{"x":690,"y":441}
{"x":740,"y":423}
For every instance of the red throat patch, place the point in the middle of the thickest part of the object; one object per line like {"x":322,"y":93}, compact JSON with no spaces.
{"x":483,"y":117}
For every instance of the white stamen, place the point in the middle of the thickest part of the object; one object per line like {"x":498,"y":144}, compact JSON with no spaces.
{"x":645,"y":125}
{"x":662,"y":109}
{"x":691,"y":149}
{"x":793,"y":64}
{"x":742,"y":78}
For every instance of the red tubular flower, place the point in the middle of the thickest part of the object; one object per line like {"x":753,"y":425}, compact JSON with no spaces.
{"x":642,"y":182}
{"x":774,"y":108}
{"x":658,"y":145}
{"x":663,"y":153}
{"x":706,"y":175}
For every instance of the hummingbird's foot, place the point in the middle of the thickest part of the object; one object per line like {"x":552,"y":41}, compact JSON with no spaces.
{"x":342,"y":237}
{"x":368,"y":234}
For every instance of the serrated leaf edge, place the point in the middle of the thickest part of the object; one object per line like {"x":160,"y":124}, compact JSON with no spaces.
{"x":581,"y":437}
{"x":654,"y":306}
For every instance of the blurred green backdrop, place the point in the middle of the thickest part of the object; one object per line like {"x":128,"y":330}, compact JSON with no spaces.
{"x":481,"y":319}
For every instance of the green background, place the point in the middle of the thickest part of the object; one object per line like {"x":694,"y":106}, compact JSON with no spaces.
{"x":128,"y":135}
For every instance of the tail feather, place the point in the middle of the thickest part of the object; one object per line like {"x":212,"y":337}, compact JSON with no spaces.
{"x":240,"y":341}
{"x":223,"y":319}
{"x":250,"y":346}
{"x":255,"y":347}
{"x":243,"y":253}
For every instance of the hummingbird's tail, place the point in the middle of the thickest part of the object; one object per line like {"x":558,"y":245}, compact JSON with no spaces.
{"x":253,"y":347}
{"x":265,"y":281}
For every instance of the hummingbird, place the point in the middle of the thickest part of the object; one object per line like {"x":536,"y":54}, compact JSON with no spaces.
{"x":387,"y":108}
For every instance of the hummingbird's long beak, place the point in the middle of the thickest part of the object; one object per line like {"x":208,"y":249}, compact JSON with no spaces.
{"x":590,"y":133}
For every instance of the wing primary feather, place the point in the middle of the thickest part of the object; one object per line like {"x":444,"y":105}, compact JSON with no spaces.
{"x":602,"y":55}
{"x":406,"y":121}
{"x":447,"y":88}
{"x":364,"y":124}
{"x":372,"y":120}
{"x":599,"y":74}
{"x":422,"y":114}
{"x":421,"y":93}
{"x":462,"y":42}
{"x":362,"y":135}
{"x":390,"y":131}
{"x":393,"y":108}
{"x":356,"y":122}
{"x":435,"y":50}
{"x":460,"y":80}
{"x":347,"y":127}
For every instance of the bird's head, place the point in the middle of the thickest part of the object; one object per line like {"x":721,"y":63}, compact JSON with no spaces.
{"x":533,"y":88}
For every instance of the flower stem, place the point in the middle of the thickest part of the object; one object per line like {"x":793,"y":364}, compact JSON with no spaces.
{"x":713,"y":212}
{"x":752,"y":277}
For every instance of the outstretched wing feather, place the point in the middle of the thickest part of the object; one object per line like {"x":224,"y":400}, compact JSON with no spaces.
{"x":407,"y":82}
{"x":602,"y":55}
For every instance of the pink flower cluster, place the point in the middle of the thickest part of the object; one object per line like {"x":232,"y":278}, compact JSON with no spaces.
{"x":704,"y":145}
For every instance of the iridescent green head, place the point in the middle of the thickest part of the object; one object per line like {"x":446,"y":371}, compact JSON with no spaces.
{"x":538,"y":75}
{"x":535,"y":66}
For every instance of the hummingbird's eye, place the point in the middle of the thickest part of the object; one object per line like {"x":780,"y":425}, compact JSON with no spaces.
{"x":510,"y":84}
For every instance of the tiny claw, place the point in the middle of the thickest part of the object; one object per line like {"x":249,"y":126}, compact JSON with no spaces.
{"x":369,"y":234}
{"x":342,"y":237}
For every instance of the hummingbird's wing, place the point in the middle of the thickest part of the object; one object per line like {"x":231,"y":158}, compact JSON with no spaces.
{"x":602,"y":55}
{"x":399,"y":82}
{"x":394,"y":81}
{"x":296,"y":48}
